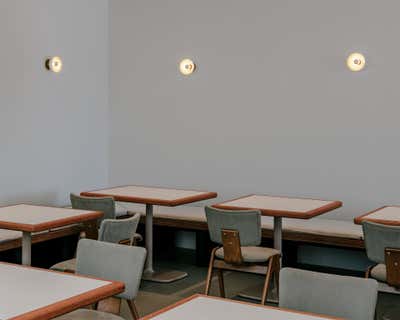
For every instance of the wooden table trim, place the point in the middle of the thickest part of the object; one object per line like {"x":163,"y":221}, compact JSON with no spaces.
{"x":185,"y":300}
{"x":360,"y":219}
{"x":90,"y":215}
{"x":205,"y":195}
{"x":282,"y":213}
{"x":73,"y":303}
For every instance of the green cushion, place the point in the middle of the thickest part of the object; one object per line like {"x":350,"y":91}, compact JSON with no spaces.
{"x":379,"y":272}
{"x":252,"y":254}
{"x":67,"y":265}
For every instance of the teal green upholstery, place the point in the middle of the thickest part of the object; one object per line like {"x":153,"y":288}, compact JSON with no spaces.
{"x":112,"y":262}
{"x":379,"y":272}
{"x":111,"y":230}
{"x":247,"y":222}
{"x":103,"y":204}
{"x":326,"y":294}
{"x":115,"y":230}
{"x":252,"y":254}
{"x":378,"y":237}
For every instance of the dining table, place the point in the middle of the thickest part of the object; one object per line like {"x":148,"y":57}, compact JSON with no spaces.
{"x":151,"y":196}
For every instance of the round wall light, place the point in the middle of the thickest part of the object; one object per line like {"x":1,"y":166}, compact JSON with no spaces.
{"x":356,"y":61}
{"x":187,"y":67}
{"x":54,"y":64}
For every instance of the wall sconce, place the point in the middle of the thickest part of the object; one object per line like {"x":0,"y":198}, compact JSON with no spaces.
{"x":356,"y":62}
{"x":54,"y":64}
{"x":187,"y":67}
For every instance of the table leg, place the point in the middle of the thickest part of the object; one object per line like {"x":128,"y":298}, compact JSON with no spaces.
{"x":278,"y":233}
{"x":149,"y":239}
{"x":26,"y":248}
{"x":149,"y":273}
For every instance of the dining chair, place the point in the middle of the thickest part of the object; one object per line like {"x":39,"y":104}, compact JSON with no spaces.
{"x":121,"y":231}
{"x":238,"y":235}
{"x":114,"y":262}
{"x":327,"y":294}
{"x":382,"y":243}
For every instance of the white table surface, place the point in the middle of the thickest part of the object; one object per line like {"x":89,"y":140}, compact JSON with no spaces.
{"x":142,"y":194}
{"x":151,"y":196}
{"x":272,"y":203}
{"x":208,"y":308}
{"x":389,"y":215}
{"x":34,"y":215}
{"x":25,"y":289}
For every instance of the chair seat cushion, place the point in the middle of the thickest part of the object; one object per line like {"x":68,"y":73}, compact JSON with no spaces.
{"x":65,"y":266}
{"x":86,"y":314}
{"x":252,"y":254}
{"x":379,"y":272}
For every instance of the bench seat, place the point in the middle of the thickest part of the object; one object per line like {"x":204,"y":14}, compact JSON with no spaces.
{"x":341,"y":233}
{"x":10,"y":239}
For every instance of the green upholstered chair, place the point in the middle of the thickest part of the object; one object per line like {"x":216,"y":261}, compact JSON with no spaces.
{"x":121,"y":231}
{"x":326,"y":294}
{"x":378,"y":238}
{"x":98,"y":259}
{"x":238,"y":235}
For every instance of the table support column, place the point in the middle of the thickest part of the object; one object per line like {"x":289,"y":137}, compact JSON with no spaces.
{"x":149,"y":274}
{"x":278,"y":233}
{"x":149,"y":239}
{"x":26,"y":248}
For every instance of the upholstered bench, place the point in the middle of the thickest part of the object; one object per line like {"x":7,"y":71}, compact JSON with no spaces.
{"x":340,"y":233}
{"x":13,"y":239}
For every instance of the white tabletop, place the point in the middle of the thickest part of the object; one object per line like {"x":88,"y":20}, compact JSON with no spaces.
{"x":389,"y":215}
{"x":285,"y":206}
{"x":24,"y":217}
{"x":152,"y":195}
{"x":209,"y":308}
{"x":29,"y":290}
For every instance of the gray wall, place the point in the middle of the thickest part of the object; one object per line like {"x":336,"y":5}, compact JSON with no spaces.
{"x":272,"y":107}
{"x":53,"y":127}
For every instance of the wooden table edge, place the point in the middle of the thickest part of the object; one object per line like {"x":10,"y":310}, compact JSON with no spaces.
{"x":203,"y":195}
{"x":363,"y":217}
{"x":332,"y":205}
{"x":59,"y":308}
{"x":195,"y":296}
{"x":25,"y":227}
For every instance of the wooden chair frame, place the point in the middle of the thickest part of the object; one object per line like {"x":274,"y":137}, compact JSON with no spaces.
{"x":233,"y":261}
{"x":113,"y":305}
{"x":392,"y":263}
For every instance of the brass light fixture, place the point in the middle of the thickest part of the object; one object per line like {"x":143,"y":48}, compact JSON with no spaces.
{"x":356,"y":61}
{"x":54,"y":64}
{"x":187,"y":67}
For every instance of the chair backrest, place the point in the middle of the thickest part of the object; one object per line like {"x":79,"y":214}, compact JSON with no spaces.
{"x":116,"y":230}
{"x":112,"y":261}
{"x":378,"y":237}
{"x":103,"y":204}
{"x":247,"y":223}
{"x":326,"y":294}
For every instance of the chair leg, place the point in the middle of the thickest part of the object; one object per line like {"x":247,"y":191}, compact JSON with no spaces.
{"x":132,"y":308}
{"x":368,"y":272}
{"x":271,"y":266}
{"x":221,"y":283}
{"x":210,"y":272}
{"x":277,"y":270}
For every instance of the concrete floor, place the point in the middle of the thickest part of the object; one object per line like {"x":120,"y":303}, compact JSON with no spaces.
{"x":154,"y":296}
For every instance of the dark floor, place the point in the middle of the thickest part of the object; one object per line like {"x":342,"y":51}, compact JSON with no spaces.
{"x":154,"y":296}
